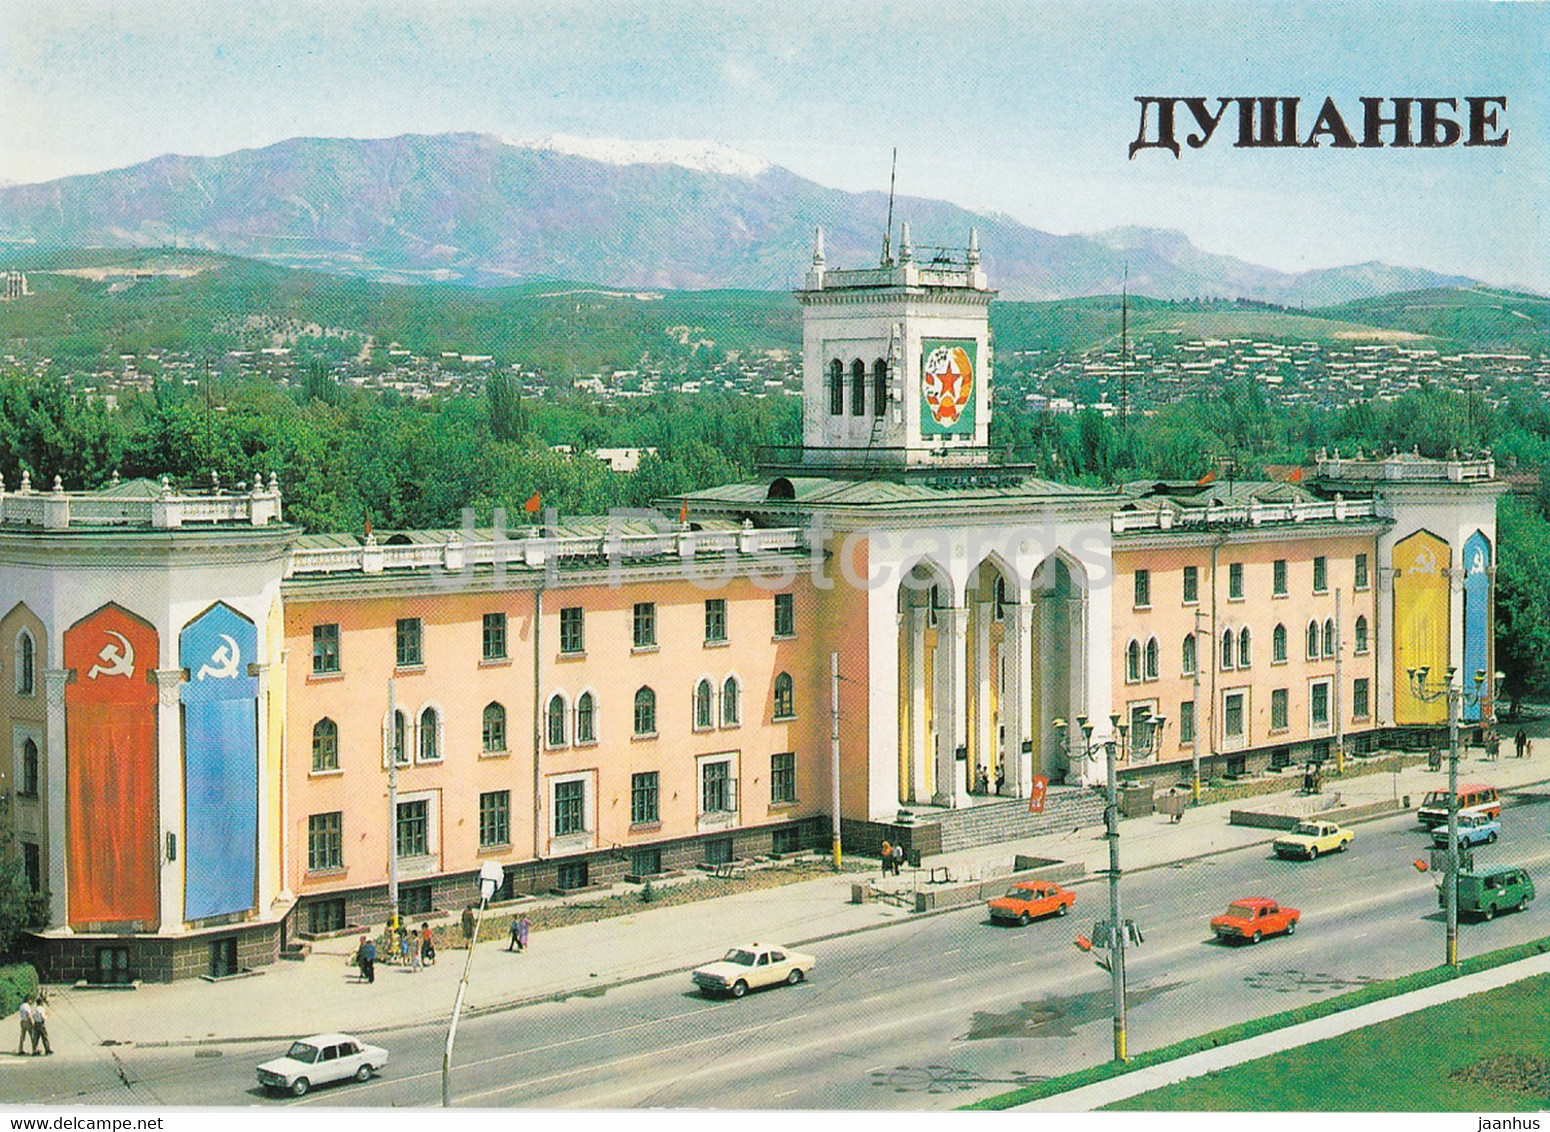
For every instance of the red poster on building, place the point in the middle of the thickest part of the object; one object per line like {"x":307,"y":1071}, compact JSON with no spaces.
{"x":1036,"y":794}
{"x":110,"y":779}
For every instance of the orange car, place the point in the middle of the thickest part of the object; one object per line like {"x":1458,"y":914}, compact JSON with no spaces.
{"x":1253,"y":918}
{"x":1028,"y":899}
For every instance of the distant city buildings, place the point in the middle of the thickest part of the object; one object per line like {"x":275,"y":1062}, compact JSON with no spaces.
{"x":16,"y":285}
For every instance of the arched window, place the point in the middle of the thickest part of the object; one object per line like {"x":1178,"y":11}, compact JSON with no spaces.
{"x":858,"y":388}
{"x":1361,"y":634}
{"x":1152,"y":659}
{"x":1313,"y":640}
{"x":1228,"y":639}
{"x":785,"y":697}
{"x":731,"y":708}
{"x":29,"y":769}
{"x":1245,"y":658}
{"x":836,"y":387}
{"x":1133,"y":662}
{"x":704,"y":718}
{"x":400,"y":738}
{"x":586,"y":719}
{"x":879,"y":387}
{"x":1329,"y":638}
{"x":26,"y":664}
{"x":645,"y":712}
{"x":1278,"y":643}
{"x":325,"y":745}
{"x":430,"y":736}
{"x":1189,"y":658}
{"x":493,"y":731}
{"x":554,"y":726}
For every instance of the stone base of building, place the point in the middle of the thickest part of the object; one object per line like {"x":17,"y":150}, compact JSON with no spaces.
{"x":116,"y":959}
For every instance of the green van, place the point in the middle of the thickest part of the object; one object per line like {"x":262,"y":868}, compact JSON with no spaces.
{"x":1496,"y":890}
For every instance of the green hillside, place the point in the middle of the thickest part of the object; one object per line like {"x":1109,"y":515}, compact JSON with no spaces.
{"x":1474,"y":316}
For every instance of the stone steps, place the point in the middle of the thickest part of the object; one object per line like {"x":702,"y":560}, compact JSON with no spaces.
{"x":1009,"y":820}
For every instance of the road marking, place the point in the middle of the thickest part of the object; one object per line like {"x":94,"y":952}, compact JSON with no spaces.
{"x":787,"y":1093}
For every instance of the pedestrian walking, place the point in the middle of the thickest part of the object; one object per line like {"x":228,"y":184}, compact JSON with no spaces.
{"x":511,"y":944}
{"x":885,"y":852}
{"x":1520,"y":740}
{"x":366,"y":959}
{"x":24,"y":1013}
{"x":427,"y":946}
{"x":468,"y":924}
{"x":523,"y":925}
{"x":898,"y":857}
{"x":40,"y":1025}
{"x":403,"y":946}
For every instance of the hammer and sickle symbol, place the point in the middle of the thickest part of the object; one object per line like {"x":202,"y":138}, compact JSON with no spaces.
{"x":223,"y":661}
{"x":115,"y":661}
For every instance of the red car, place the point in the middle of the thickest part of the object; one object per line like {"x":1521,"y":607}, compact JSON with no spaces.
{"x":1028,"y":899}
{"x":1253,"y":918}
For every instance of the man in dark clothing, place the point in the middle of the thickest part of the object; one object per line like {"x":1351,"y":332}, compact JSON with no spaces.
{"x":366,"y":957}
{"x":1521,"y":742}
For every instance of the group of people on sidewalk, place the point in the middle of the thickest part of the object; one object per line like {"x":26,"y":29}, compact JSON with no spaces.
{"x":34,"y":1019}
{"x":892,"y":857}
{"x":413,"y":949}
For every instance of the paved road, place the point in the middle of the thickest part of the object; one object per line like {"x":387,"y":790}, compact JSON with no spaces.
{"x":927,"y":1015}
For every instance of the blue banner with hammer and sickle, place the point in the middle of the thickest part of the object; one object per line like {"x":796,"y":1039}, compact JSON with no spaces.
{"x":220,"y":761}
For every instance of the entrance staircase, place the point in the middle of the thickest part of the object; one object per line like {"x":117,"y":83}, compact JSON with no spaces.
{"x":993,"y":820}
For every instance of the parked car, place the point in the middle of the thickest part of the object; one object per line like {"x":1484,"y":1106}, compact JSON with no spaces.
{"x":1473,"y":798}
{"x":1253,"y":918}
{"x":1474,"y":829}
{"x":1491,"y":891}
{"x":319,"y":1060}
{"x":1029,"y":899}
{"x":1311,"y":838}
{"x":751,"y":966}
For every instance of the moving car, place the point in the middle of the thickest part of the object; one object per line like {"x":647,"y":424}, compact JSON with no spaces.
{"x":1311,"y":838}
{"x":1491,"y":891}
{"x":751,"y":966}
{"x":1474,"y":829}
{"x":1029,"y":899}
{"x":1253,"y":918}
{"x":320,"y":1059}
{"x":1473,"y":798}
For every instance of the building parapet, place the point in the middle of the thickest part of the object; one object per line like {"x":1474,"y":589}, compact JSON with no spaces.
{"x":1409,"y":467}
{"x":370,"y":557}
{"x":163,"y":509}
{"x":1254,"y":515}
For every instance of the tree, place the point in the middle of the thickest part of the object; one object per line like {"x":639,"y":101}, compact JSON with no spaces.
{"x":507,"y":420}
{"x":21,"y":909}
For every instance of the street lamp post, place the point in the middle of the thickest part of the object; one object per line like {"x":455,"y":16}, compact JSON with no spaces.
{"x":1080,"y":741}
{"x":1116,"y":925}
{"x":1428,"y":691}
{"x":490,"y":877}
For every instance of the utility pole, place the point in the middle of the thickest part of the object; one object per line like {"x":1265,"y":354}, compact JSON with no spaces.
{"x":392,"y":745}
{"x":834,"y":749}
{"x":1195,"y":712}
{"x":1116,"y":925}
{"x":1338,"y":698}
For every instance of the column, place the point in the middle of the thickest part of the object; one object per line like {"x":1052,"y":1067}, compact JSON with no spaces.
{"x":54,"y":681}
{"x":951,"y":788}
{"x":915,"y":675}
{"x":1383,"y":645}
{"x":268,"y":871}
{"x":982,"y":743}
{"x":169,"y":796}
{"x":1017,"y":699}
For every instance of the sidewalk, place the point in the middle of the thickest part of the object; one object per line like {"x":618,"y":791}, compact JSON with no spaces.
{"x":589,"y":958}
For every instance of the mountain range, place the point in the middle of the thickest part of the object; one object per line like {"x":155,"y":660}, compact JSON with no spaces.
{"x":482,"y":210}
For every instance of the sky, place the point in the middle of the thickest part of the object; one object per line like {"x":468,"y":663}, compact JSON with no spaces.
{"x":1025,"y":109}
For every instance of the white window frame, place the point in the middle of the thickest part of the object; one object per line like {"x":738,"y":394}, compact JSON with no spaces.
{"x":721,"y":702}
{"x":431,"y":862}
{"x":441,"y":734}
{"x":575,"y":720}
{"x":565,"y":721}
{"x":709,"y":722}
{"x":587,"y":837}
{"x":723,"y":819}
{"x":1235,"y":742}
{"x":31,"y":667}
{"x":1328,"y":726}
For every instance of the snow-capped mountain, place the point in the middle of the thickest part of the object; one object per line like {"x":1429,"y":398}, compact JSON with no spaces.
{"x":699,"y":156}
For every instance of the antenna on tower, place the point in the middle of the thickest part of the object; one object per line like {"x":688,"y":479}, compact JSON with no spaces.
{"x":1124,"y":347}
{"x":888,"y":229}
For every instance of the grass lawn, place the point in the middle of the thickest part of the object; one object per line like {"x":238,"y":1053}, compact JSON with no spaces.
{"x":1501,"y":1038}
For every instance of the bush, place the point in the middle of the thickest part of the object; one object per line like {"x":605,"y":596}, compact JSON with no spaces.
{"x":647,"y":893}
{"x":17,"y":981}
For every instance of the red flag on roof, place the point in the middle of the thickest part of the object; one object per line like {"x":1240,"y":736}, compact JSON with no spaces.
{"x":532,"y":505}
{"x":1296,"y":475}
{"x":1207,"y":478}
{"x":683,"y":512}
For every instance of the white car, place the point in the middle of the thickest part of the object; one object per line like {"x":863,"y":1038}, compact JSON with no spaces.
{"x":750,"y":966}
{"x":320,"y":1059}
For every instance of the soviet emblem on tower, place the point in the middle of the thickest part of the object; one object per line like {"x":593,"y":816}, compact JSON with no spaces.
{"x":947,"y":386}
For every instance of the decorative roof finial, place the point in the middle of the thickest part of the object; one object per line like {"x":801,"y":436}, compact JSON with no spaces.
{"x":974,"y":246}
{"x":166,"y":486}
{"x":274,"y":484}
{"x":818,"y":249}
{"x":114,"y":479}
{"x":59,"y":485}
{"x":26,"y":481}
{"x":906,"y":245}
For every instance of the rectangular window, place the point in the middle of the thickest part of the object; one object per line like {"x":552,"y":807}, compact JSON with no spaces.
{"x":1191,"y":584}
{"x":494,"y":819}
{"x":715,"y":620}
{"x":716,"y":787}
{"x":571,"y":875}
{"x":1187,"y":721}
{"x":645,"y":862}
{"x":570,"y":807}
{"x":1359,"y":706}
{"x":1232,"y":715}
{"x":786,"y":839}
{"x":1318,"y":705}
{"x":1278,"y":709}
{"x":1320,"y":574}
{"x":645,"y":624}
{"x":1278,"y":578}
{"x":32,"y":866}
{"x":785,"y":615}
{"x":1361,"y":572}
{"x":325,"y":648}
{"x":1235,"y":580}
{"x":572,"y":636}
{"x":325,"y":841}
{"x":416,"y":900}
{"x":1143,"y":589}
{"x":414,"y":828}
{"x":783,"y":778}
{"x":325,"y":916}
{"x":494,"y":636}
{"x":718,"y":851}
{"x":410,"y":653}
{"x":643,"y":798}
{"x":1281,"y":758}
